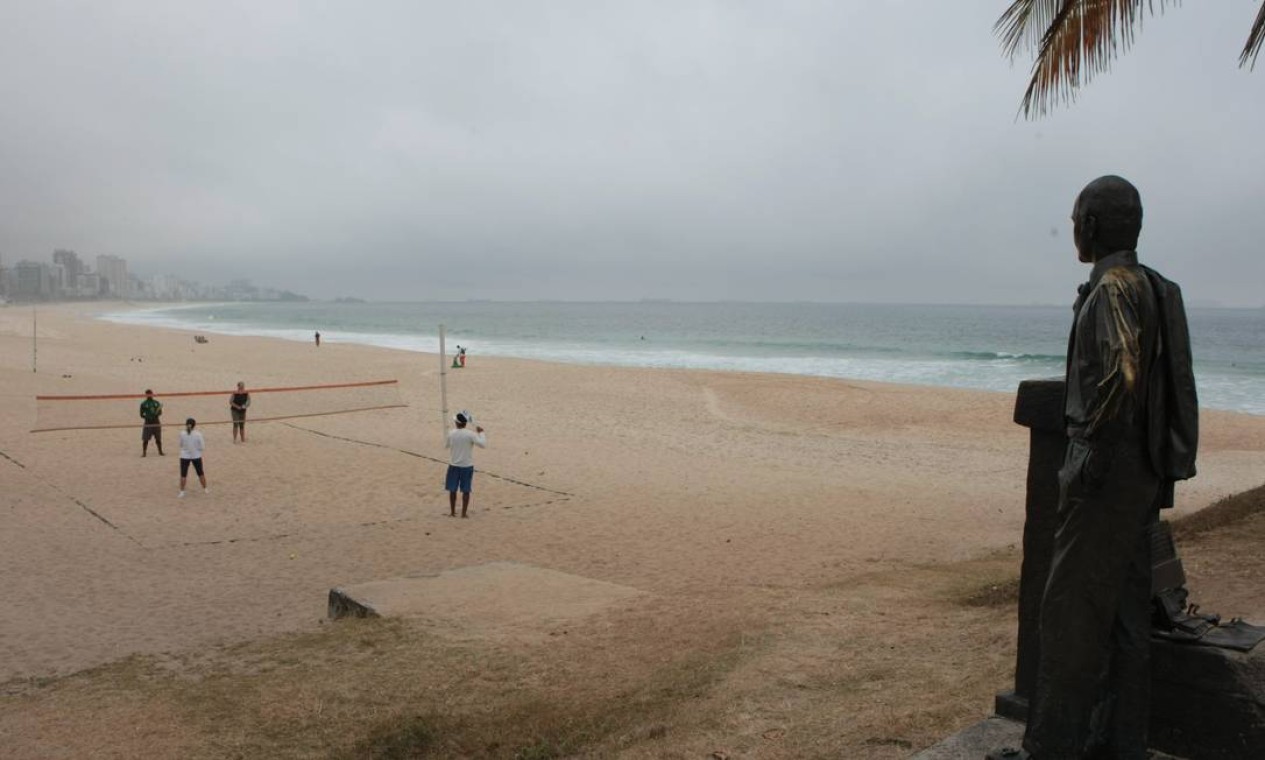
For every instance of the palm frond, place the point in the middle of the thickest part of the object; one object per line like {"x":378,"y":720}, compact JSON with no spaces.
{"x":1023,"y":24}
{"x":1074,"y":39}
{"x":1254,"y":40}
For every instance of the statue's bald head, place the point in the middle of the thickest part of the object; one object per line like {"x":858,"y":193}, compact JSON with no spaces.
{"x":1107,"y":217}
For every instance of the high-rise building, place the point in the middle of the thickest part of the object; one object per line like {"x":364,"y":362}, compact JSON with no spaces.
{"x":88,"y":285}
{"x":113,"y":271}
{"x":166,"y":287}
{"x":71,"y":264}
{"x":32,"y":281}
{"x":60,"y":287}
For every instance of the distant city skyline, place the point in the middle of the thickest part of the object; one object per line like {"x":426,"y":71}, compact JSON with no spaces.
{"x":68,"y":277}
{"x":67,"y":267}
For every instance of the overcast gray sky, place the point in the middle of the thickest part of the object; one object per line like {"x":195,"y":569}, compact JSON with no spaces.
{"x":836,"y":150}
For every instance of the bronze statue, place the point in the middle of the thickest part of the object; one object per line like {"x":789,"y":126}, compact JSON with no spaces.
{"x":1132,"y":427}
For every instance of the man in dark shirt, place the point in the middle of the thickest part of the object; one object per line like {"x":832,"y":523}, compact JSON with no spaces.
{"x":151,"y":412}
{"x":1093,"y":681}
{"x":238,"y":403}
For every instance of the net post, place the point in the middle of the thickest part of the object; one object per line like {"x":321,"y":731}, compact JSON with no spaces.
{"x":443,"y":388}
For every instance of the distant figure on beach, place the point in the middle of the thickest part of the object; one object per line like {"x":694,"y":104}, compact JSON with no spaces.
{"x":191,"y":446}
{"x":151,"y":412}
{"x":461,"y":356}
{"x":461,"y":443}
{"x":318,"y":338}
{"x":1132,"y":421}
{"x":237,"y":404}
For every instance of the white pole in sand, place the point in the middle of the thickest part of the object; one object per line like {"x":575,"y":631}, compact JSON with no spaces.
{"x":35,"y":348}
{"x":443,"y":387}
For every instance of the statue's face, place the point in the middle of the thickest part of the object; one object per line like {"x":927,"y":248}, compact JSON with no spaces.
{"x":1082,"y":245}
{"x":1077,"y":232}
{"x":1082,"y":231}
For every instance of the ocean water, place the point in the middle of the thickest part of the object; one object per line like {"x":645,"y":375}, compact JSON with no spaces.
{"x":986,"y":347}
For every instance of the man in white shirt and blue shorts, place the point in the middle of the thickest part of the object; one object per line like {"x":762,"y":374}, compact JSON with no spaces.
{"x":461,"y":442}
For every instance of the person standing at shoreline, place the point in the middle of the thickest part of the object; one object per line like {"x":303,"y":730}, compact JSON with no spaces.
{"x":151,"y":412}
{"x":237,"y":404}
{"x":191,"y":446}
{"x":460,"y":476}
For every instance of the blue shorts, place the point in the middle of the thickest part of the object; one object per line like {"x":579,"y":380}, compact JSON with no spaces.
{"x":459,"y":479}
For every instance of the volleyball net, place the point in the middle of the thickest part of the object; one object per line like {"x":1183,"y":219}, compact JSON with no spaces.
{"x":120,"y":411}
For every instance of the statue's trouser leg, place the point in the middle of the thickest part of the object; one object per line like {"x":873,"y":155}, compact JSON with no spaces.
{"x":1094,"y":620}
{"x":1124,"y":714}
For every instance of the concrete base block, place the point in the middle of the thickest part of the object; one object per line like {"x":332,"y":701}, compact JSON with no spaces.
{"x":990,"y":734}
{"x":1207,"y":703}
{"x":976,"y":741}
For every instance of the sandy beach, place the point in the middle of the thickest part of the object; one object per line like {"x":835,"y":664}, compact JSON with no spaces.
{"x":797,"y":506}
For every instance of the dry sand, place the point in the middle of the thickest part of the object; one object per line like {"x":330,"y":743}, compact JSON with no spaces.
{"x":698,"y":491}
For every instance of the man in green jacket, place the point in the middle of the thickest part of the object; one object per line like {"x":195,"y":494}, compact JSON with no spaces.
{"x":151,"y":412}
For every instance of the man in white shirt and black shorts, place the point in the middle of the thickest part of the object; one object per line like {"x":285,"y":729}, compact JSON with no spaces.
{"x":461,"y":442}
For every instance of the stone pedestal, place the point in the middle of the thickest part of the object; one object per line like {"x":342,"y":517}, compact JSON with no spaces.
{"x":1038,"y":407}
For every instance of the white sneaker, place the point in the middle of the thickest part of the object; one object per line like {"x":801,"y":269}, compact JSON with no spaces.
{"x":180,"y":495}
{"x":206,"y":490}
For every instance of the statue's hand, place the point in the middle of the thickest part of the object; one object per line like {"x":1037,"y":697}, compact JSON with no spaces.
{"x":1097,"y":466}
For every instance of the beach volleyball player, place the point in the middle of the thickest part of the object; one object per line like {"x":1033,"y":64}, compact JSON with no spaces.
{"x":238,"y":403}
{"x":192,"y":444}
{"x":460,"y":443}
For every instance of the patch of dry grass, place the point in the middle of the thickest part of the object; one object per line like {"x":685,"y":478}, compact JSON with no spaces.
{"x":819,"y":671}
{"x":1227,"y":511}
{"x":367,"y":688}
{"x":1003,"y":588}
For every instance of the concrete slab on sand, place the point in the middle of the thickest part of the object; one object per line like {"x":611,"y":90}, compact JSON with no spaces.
{"x":498,"y":596}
